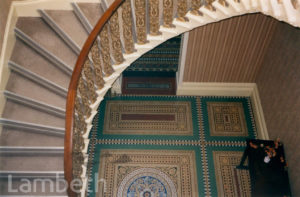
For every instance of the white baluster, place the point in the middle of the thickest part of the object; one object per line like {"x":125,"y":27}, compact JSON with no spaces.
{"x":236,"y":5}
{"x":246,"y":4}
{"x":293,"y":14}
{"x":216,"y":15}
{"x":264,"y":6}
{"x":254,"y":4}
{"x":202,"y":19}
{"x":84,"y":187}
{"x":277,"y":8}
{"x":86,"y":144}
{"x":84,"y":169}
{"x":226,"y":10}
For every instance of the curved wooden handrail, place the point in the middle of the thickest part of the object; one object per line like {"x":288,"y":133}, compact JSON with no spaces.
{"x":72,"y":90}
{"x":70,"y":104}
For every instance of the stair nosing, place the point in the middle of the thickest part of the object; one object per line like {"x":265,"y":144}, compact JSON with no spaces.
{"x":32,"y":127}
{"x":31,"y":150}
{"x":82,"y":18}
{"x":32,"y":147}
{"x":29,"y":196}
{"x":43,"y":52}
{"x":34,"y":103}
{"x":38,"y":79}
{"x":30,"y":174}
{"x":64,"y":36}
{"x":104,"y":5}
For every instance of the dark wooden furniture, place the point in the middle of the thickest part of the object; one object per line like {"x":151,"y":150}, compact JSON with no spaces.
{"x":267,"y":179}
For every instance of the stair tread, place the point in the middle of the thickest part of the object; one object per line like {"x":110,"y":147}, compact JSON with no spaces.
{"x":60,"y":112}
{"x":25,"y":87}
{"x":31,"y":163}
{"x":31,"y":60}
{"x":17,"y":184}
{"x":92,"y":12}
{"x":70,"y":24}
{"x":18,"y":137}
{"x":45,"y":149}
{"x":17,"y":111}
{"x":40,"y":32}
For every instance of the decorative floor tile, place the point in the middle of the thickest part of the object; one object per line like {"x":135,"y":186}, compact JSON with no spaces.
{"x":227,"y":118}
{"x":131,"y":170}
{"x":126,"y":170}
{"x":148,"y":118}
{"x":225,"y":179}
{"x":170,"y":146}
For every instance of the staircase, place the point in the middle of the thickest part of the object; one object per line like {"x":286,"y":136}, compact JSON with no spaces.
{"x":33,"y":121}
{"x":43,"y":59}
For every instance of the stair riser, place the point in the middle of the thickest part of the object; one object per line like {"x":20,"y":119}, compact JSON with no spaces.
{"x":32,"y":127}
{"x":15,"y":158}
{"x":35,"y":104}
{"x":31,"y":151}
{"x":31,"y":174}
{"x":27,"y":162}
{"x":28,"y":138}
{"x":42,"y":81}
{"x":35,"y":130}
{"x":43,"y":52}
{"x":60,"y":32}
{"x":88,"y":27}
{"x":16,"y":187}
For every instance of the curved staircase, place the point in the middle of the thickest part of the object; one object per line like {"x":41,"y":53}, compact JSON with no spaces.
{"x":44,"y":56}
{"x":42,"y":61}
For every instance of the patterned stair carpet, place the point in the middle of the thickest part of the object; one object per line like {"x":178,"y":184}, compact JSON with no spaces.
{"x":170,"y":146}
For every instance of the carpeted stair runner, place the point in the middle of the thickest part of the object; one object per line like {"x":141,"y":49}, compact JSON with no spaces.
{"x":31,"y":143}
{"x":42,"y":62}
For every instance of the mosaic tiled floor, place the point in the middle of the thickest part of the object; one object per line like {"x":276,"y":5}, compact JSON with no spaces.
{"x":168,"y":146}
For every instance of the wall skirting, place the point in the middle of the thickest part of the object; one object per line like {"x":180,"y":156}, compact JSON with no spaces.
{"x":258,"y":113}
{"x":229,"y":89}
{"x":31,"y":7}
{"x":182,"y":57}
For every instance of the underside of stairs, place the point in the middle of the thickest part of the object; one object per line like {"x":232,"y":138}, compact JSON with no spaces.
{"x":41,"y":64}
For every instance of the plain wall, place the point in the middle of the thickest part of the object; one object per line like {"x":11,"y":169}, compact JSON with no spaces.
{"x":4,"y":9}
{"x":278,"y":83}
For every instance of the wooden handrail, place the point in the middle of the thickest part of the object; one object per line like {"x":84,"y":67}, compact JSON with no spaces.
{"x":70,"y":104}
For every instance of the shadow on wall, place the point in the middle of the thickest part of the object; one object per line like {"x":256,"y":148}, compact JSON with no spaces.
{"x":4,"y":10}
{"x":278,"y":83}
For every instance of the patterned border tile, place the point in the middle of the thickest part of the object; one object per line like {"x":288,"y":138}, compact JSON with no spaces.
{"x":210,"y":164}
{"x":98,"y":147}
{"x":194,"y":115}
{"x":247,"y":112}
{"x":201,"y":142}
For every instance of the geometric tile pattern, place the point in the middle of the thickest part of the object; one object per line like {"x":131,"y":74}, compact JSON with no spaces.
{"x":148,"y":118}
{"x":149,"y":165}
{"x":226,"y":119}
{"x":164,"y":57}
{"x":230,"y":181}
{"x":225,"y":179}
{"x":128,"y":166}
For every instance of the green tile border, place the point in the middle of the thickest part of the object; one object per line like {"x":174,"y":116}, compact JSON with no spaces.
{"x":203,"y":146}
